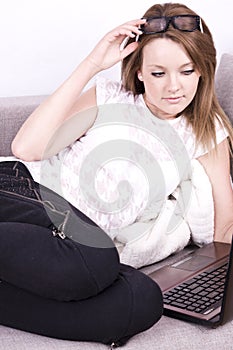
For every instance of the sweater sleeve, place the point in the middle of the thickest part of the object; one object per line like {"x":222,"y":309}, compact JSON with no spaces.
{"x":111,"y":91}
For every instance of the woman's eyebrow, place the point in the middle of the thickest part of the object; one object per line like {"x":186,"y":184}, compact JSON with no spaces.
{"x":162,"y":67}
{"x":186,"y":64}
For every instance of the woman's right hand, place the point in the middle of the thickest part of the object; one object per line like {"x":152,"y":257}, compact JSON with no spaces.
{"x":108,"y":51}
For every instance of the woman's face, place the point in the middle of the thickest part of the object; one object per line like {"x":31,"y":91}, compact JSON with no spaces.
{"x":169,"y":76}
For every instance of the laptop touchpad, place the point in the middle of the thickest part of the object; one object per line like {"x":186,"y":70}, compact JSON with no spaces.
{"x":193,"y":263}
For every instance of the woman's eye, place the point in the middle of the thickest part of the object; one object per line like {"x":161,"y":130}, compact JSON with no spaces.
{"x":158,"y":74}
{"x":188,"y":71}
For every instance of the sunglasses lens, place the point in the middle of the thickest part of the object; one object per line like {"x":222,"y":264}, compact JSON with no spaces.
{"x":154,"y":25}
{"x":186,"y":23}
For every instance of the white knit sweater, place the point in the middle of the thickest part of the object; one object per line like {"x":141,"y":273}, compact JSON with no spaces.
{"x":175,"y":225}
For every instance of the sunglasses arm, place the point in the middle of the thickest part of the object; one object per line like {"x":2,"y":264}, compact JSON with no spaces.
{"x":201,"y":27}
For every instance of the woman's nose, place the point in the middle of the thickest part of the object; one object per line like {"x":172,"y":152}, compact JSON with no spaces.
{"x":173,"y":84}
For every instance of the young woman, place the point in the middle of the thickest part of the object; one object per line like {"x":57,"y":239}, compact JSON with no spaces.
{"x":170,"y":72}
{"x":168,"y":65}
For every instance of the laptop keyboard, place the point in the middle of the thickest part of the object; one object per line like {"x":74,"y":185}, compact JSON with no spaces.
{"x":200,"y":294}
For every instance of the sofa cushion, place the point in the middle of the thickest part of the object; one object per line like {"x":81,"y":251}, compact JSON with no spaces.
{"x":14,"y":111}
{"x":224,"y":84}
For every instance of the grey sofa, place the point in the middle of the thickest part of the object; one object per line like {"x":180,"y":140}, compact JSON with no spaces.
{"x":167,"y":334}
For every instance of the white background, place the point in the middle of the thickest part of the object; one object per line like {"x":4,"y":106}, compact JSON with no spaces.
{"x":42,"y":41}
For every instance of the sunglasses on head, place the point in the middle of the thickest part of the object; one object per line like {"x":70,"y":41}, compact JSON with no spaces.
{"x":185,"y":23}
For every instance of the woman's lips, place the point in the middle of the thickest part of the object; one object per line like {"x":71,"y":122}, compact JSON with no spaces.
{"x":173,"y":100}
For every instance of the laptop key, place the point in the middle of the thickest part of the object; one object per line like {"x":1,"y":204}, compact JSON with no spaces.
{"x":189,"y":282}
{"x":167,"y":301}
{"x":197,"y":290}
{"x":193,"y":286}
{"x":190,"y":308}
{"x":213,"y":294}
{"x":198,"y":310}
{"x":180,"y":305}
{"x":203,"y":293}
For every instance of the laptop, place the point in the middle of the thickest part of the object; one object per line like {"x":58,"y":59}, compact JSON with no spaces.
{"x":199,"y":287}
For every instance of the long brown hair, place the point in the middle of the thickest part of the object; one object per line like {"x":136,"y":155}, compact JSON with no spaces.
{"x":204,"y":108}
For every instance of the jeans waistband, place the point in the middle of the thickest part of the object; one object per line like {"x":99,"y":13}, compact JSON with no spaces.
{"x":14,"y":177}
{"x":15,"y":168}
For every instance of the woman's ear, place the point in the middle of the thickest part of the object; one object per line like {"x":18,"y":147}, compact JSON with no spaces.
{"x":140,"y":75}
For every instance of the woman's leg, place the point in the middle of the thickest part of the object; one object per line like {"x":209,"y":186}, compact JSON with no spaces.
{"x":71,"y":288}
{"x":33,"y":259}
{"x":133,"y":303}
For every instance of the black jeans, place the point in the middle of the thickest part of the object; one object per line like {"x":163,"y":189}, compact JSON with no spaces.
{"x":60,"y":273}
